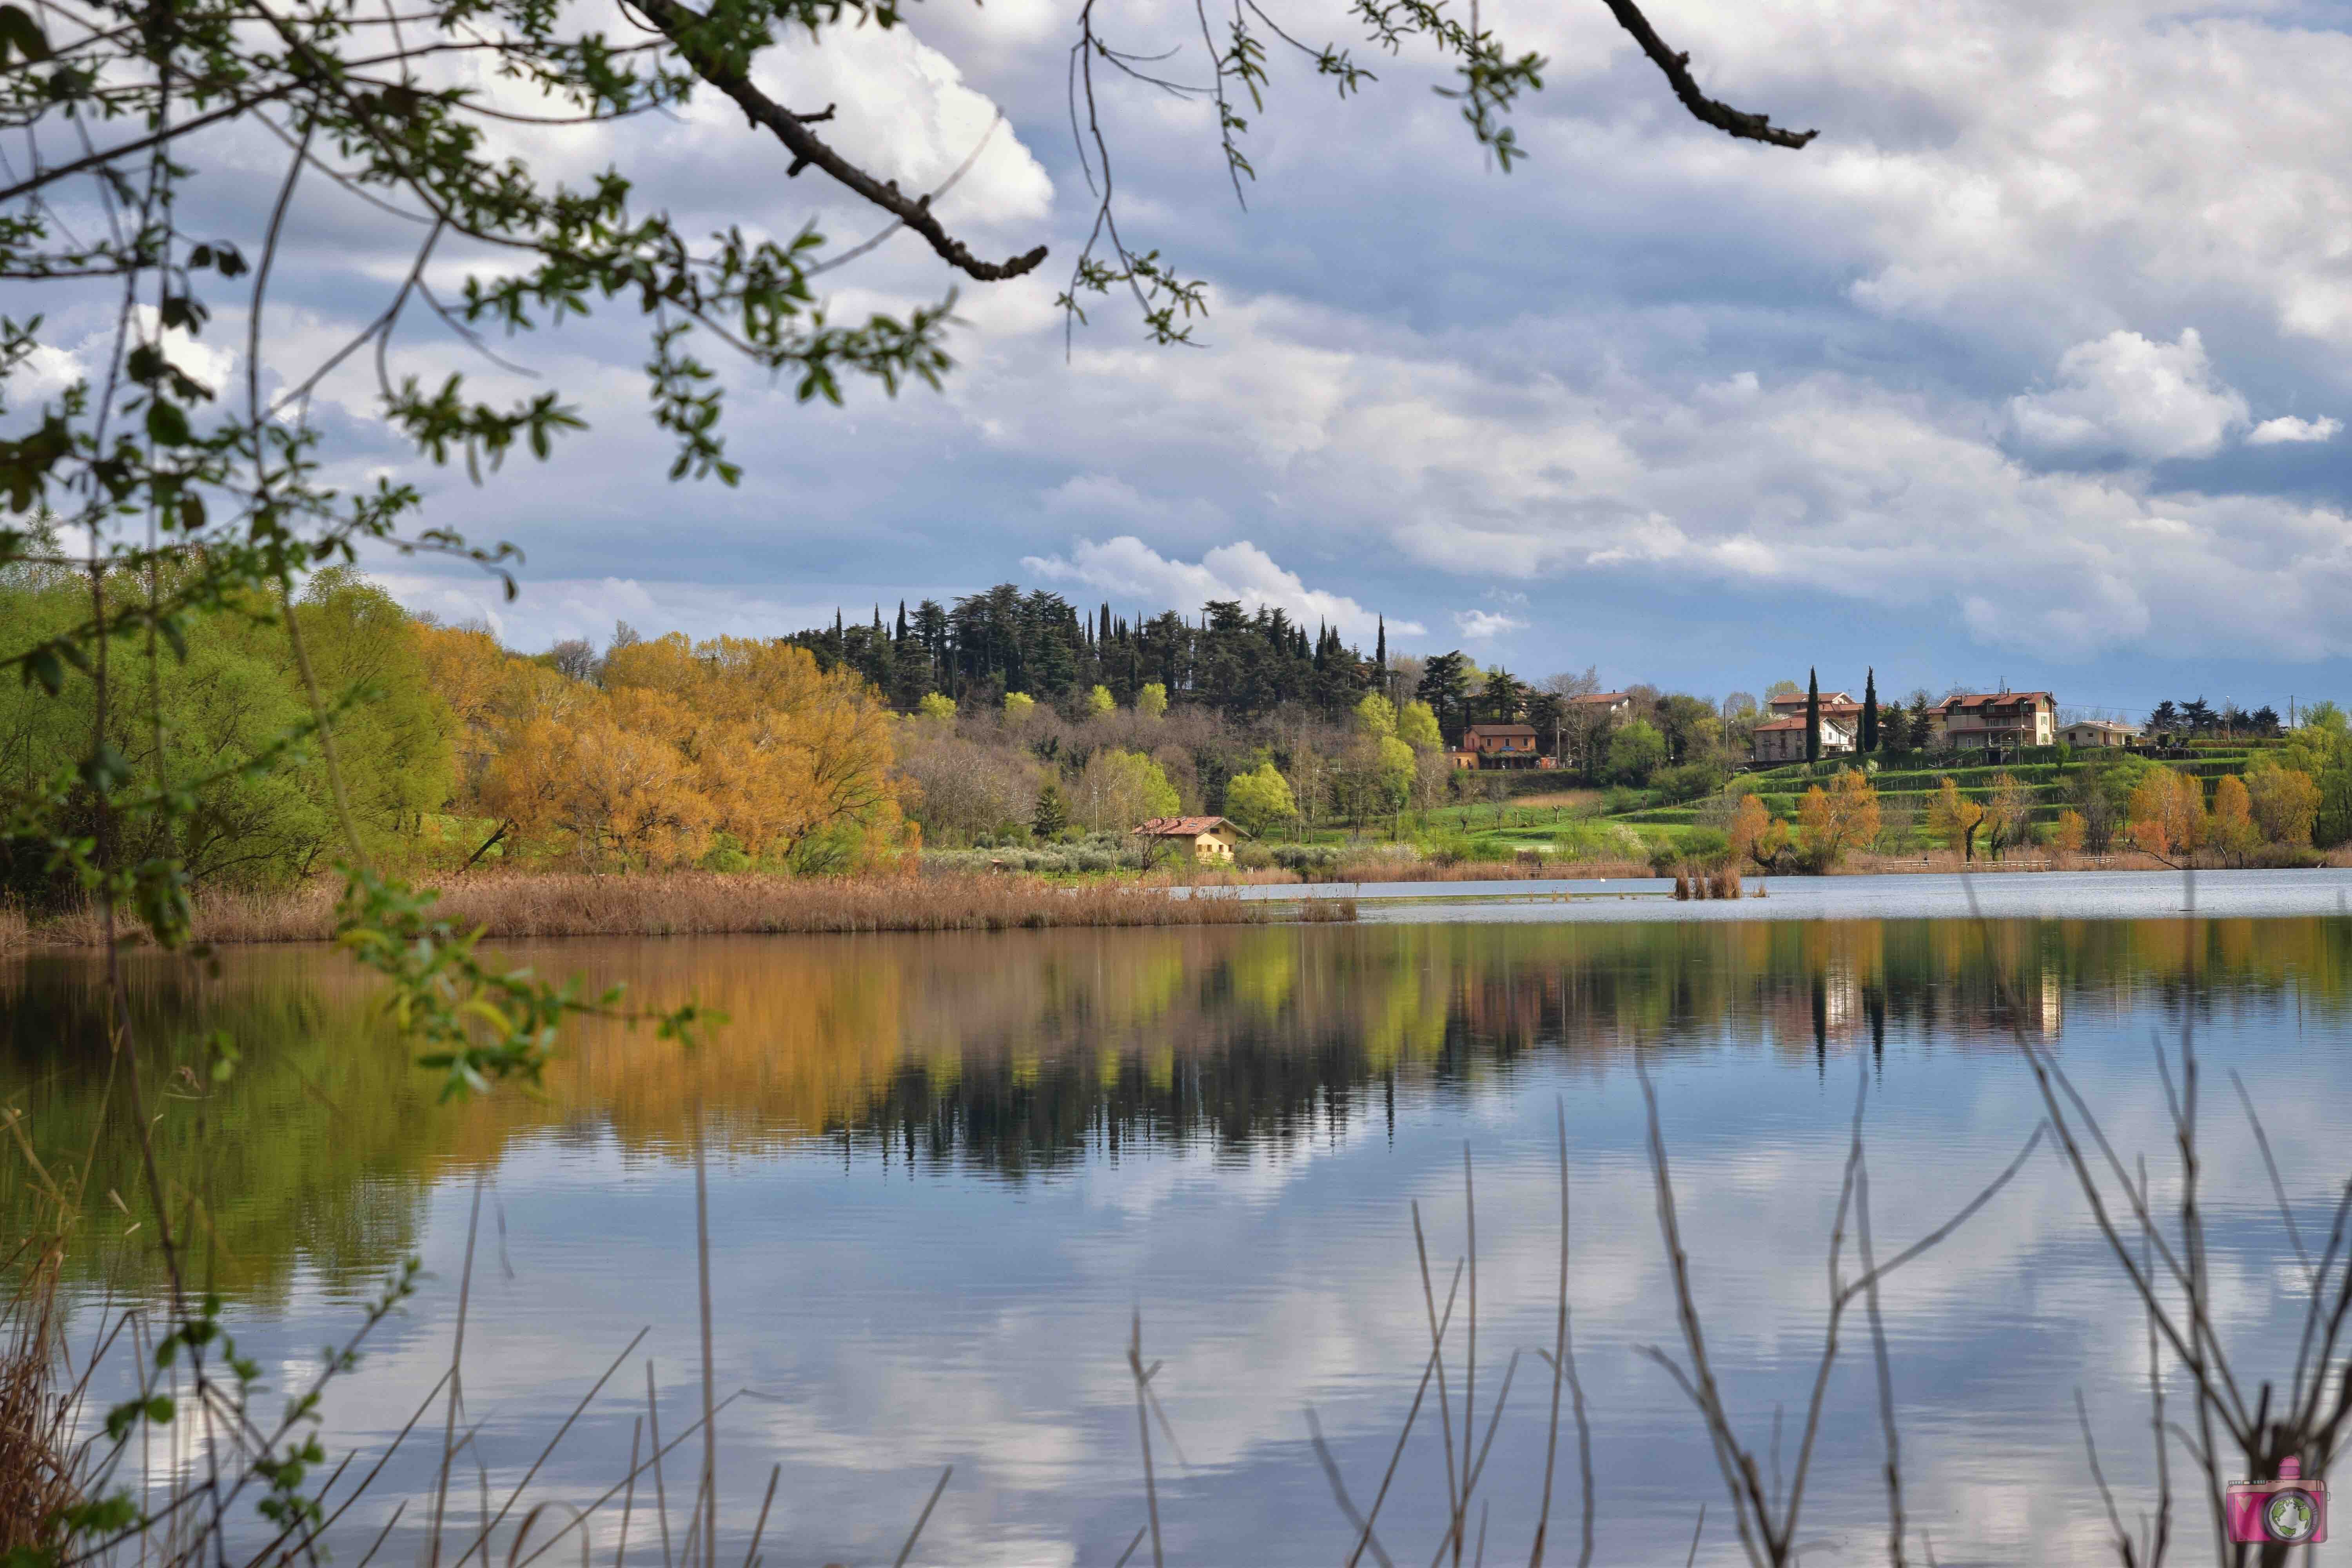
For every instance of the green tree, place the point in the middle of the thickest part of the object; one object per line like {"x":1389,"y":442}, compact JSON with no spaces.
{"x":1869,"y":738}
{"x":1636,"y":752}
{"x":1260,"y":799}
{"x":1813,"y":716}
{"x":1376,"y":715}
{"x":1153,"y":700}
{"x":936,"y":708}
{"x":1446,"y":687}
{"x":1053,"y":813}
{"x":1416,"y":726}
{"x":1099,"y":700}
{"x":1117,"y":789}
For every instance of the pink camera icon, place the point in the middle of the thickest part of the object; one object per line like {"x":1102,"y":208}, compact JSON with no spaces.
{"x":2289,"y":1508}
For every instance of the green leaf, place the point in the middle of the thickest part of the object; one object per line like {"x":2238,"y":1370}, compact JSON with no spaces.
{"x":20,"y":35}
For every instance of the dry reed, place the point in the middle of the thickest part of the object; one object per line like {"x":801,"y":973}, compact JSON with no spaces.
{"x":708,"y":904}
{"x":15,"y":931}
{"x":37,"y":1472}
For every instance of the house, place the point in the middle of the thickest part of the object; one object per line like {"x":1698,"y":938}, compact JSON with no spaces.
{"x":1500,"y":745}
{"x":2087,"y":733}
{"x":1784,"y":740}
{"x":1791,"y":704}
{"x":1611,"y":703}
{"x":1210,"y":838}
{"x":1975,"y":720}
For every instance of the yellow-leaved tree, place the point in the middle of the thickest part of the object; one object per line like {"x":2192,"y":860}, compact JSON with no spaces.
{"x":2167,"y":816}
{"x":1956,"y":817}
{"x":2284,"y":801}
{"x":1837,"y":818}
{"x":2231,"y":829}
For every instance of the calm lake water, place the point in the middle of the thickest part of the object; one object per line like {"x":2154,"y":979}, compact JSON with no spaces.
{"x":945,"y":1172}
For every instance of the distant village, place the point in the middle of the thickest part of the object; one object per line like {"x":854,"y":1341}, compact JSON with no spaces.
{"x":1798,"y":726}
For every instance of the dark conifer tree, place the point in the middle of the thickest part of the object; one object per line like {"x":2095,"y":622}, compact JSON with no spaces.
{"x":1870,"y":711}
{"x":1381,"y":645}
{"x":1812,"y":716}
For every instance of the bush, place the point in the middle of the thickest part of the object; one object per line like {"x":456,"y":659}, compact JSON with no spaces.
{"x":1619,"y":800}
{"x":1687,"y":782}
{"x":1705,"y":848}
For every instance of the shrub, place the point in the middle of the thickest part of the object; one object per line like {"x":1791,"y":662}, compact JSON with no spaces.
{"x":1687,"y":782}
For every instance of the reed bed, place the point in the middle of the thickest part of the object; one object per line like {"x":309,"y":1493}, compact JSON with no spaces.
{"x":710,"y":904}
{"x":15,"y":931}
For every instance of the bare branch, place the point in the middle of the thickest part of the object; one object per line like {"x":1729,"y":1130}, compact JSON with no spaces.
{"x":1711,"y":111}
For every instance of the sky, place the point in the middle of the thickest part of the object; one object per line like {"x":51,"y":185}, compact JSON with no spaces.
{"x":2030,"y":371}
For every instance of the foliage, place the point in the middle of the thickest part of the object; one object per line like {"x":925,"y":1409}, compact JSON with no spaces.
{"x":1757,"y":834}
{"x":1100,"y":701}
{"x":2068,"y":833}
{"x":936,"y":708}
{"x":1260,"y":800}
{"x":1053,"y":813}
{"x":1416,"y":726}
{"x":2284,"y":803}
{"x":1153,"y":700}
{"x":1955,"y":817}
{"x":2167,"y":815}
{"x":1636,"y":751}
{"x":1119,"y":789}
{"x":1018,"y":706}
{"x":2230,"y":828}
{"x":1840,"y":817}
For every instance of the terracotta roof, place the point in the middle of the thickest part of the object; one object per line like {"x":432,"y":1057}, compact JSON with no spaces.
{"x":1992,"y":700}
{"x":1181,"y":827}
{"x":1796,"y":723}
{"x":1597,"y":697}
{"x":1527,"y":730}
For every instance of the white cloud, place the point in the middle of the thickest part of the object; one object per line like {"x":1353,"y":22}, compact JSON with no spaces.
{"x":2123,"y":393}
{"x":2286,"y":428}
{"x":1478,"y":626}
{"x":1127,"y":567}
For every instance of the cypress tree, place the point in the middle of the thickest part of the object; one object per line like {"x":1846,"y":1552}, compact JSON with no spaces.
{"x":1870,"y":711}
{"x":1381,"y":648}
{"x":1813,"y":716}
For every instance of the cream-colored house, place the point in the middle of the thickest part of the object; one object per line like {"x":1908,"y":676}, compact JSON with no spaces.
{"x":1977,"y":719}
{"x":2094,"y":733}
{"x":1210,"y":838}
{"x":1784,"y":740}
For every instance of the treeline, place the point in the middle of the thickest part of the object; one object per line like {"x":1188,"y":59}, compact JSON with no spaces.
{"x":1238,"y":664}
{"x":450,"y":750}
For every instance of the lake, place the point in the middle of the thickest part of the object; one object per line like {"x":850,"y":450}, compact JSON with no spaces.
{"x":947,"y":1174}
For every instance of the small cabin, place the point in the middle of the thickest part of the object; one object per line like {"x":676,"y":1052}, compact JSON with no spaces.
{"x":1500,"y":745}
{"x":1210,"y":838}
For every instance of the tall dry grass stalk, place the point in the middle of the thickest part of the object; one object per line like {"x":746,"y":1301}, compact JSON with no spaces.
{"x":39,"y":1475}
{"x":708,"y":904}
{"x":15,"y":931}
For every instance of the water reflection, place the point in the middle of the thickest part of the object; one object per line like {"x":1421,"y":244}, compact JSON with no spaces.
{"x":1018,"y":1056}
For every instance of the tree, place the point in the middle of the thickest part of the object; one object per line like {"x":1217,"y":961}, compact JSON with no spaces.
{"x":1506,"y":697}
{"x":1955,"y":817}
{"x":1870,"y":710}
{"x":1756,"y":834}
{"x":1018,"y":706}
{"x":2008,"y":813}
{"x":1446,"y":687}
{"x":1153,"y":700}
{"x":1376,"y":715}
{"x":2165,"y":718}
{"x":2284,"y":803}
{"x":1636,"y":751}
{"x":1812,"y":718}
{"x":936,"y":708}
{"x":1416,"y":726}
{"x":1117,"y":789}
{"x":2167,"y":815}
{"x":1837,"y":818}
{"x":2230,"y":828}
{"x":1260,"y":799}
{"x":2067,"y":834}
{"x":2197,"y":716}
{"x":1053,"y":813}
{"x":1100,"y":702}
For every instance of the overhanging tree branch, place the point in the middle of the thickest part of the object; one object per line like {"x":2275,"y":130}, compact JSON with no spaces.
{"x":681,"y":25}
{"x":1713,"y":112}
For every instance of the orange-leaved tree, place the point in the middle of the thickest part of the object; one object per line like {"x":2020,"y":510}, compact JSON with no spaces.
{"x":2231,"y":831}
{"x":1838,"y":817}
{"x":2167,"y":816}
{"x":1756,"y":834}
